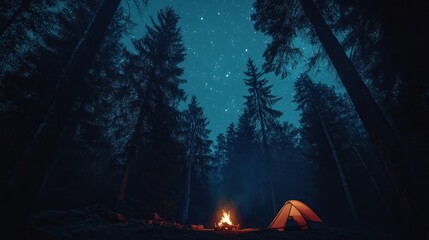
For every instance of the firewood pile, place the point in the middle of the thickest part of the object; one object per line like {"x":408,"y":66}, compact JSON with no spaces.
{"x":158,"y":220}
{"x":227,"y":227}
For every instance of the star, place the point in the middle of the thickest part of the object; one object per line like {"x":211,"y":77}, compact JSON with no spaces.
{"x":217,"y":51}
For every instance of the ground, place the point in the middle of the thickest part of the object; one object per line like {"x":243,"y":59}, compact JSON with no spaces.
{"x":98,"y":224}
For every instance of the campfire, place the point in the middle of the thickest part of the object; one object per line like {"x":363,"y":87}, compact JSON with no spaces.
{"x":225,"y":223}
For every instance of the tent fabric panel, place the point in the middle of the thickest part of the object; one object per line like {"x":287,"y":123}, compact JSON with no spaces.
{"x":305,"y":210}
{"x":297,"y":217}
{"x":296,"y":209}
{"x":280,"y":220}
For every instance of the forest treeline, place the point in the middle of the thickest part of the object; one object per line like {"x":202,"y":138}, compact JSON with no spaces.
{"x":84,"y":120}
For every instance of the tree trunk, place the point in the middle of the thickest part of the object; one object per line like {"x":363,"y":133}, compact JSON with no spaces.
{"x":381,"y":133}
{"x":259,"y":187}
{"x":374,"y":183}
{"x":26,"y":178}
{"x":343,"y":179}
{"x":269,"y":167}
{"x":14,"y":16}
{"x":131,"y":153}
{"x":124,"y":183}
{"x":133,"y":146}
{"x":188,"y":194}
{"x":268,"y":158}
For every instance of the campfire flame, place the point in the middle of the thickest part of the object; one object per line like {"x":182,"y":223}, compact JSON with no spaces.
{"x":226,"y":218}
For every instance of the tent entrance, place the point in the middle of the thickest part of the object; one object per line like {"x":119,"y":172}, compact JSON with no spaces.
{"x":294,"y":214}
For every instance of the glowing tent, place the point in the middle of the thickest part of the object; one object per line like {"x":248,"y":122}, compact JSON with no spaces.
{"x":296,"y":211}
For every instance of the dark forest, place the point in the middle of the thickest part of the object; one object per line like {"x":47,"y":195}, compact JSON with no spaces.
{"x":109,"y":134}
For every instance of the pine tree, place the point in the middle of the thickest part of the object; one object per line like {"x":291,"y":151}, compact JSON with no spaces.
{"x":249,"y":171}
{"x":156,"y":72}
{"x":197,"y":145}
{"x":291,"y":17}
{"x":220,"y":153}
{"x":24,"y":6}
{"x":28,"y":175}
{"x":390,"y":53}
{"x":23,"y":25}
{"x":259,"y":103}
{"x":321,"y":121}
{"x":85,"y":156}
{"x":231,"y":137}
{"x":25,"y":92}
{"x":230,"y":179}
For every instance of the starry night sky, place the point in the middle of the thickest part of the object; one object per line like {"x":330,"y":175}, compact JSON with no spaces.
{"x":219,"y":38}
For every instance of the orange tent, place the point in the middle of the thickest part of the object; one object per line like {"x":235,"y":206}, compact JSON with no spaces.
{"x":296,"y":210}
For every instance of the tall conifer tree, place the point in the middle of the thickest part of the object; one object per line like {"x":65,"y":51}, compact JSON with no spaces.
{"x":260,"y":106}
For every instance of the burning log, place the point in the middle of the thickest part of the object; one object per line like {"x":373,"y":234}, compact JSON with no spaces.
{"x":227,"y":227}
{"x":195,"y":227}
{"x":226,"y":224}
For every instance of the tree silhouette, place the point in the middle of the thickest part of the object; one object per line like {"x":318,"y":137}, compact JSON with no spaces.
{"x":197,"y":145}
{"x":259,"y":103}
{"x":293,"y":16}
